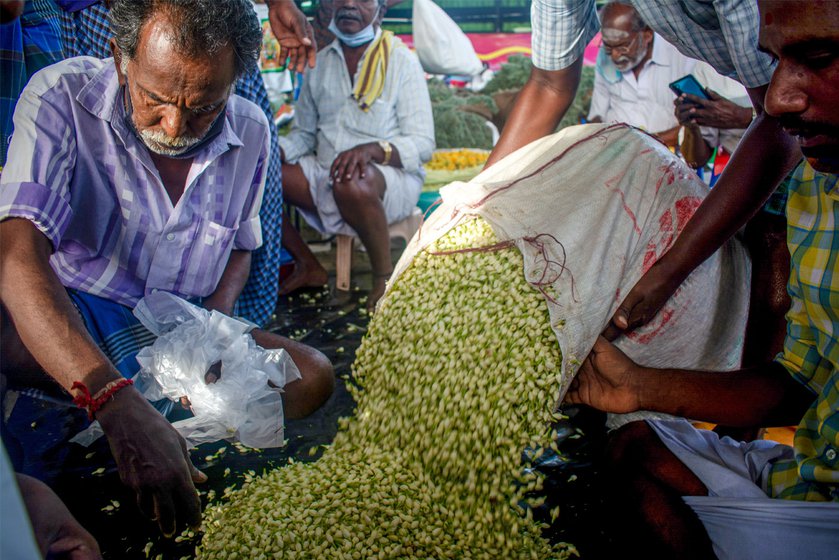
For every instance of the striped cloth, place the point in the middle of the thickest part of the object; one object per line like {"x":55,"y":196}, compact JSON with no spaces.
{"x":811,"y":349}
{"x":371,"y":78}
{"x":87,"y":32}
{"x":27,"y":44}
{"x":723,"y":33}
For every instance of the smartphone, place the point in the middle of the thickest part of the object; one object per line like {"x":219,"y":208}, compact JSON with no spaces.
{"x":689,"y":84}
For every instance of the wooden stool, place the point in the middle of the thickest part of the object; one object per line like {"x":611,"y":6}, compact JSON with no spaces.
{"x":343,"y":260}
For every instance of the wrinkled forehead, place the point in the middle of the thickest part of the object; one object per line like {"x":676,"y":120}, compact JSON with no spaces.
{"x":612,"y":35}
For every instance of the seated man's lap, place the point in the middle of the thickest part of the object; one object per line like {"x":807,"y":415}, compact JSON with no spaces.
{"x":738,"y":514}
{"x":402,"y":191}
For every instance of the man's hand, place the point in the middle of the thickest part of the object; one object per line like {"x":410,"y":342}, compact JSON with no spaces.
{"x":57,"y":532}
{"x":717,"y":112}
{"x":294,"y":33}
{"x":152,"y":460}
{"x":606,"y":380}
{"x":643,"y":302}
{"x":352,"y":162}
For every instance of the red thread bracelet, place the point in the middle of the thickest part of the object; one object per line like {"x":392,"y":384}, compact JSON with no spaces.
{"x":93,"y":403}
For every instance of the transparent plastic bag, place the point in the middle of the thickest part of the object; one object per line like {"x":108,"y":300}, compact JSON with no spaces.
{"x":240,"y":404}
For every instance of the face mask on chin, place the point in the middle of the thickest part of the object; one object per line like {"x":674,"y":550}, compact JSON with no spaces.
{"x":355,"y":39}
{"x":192,"y":147}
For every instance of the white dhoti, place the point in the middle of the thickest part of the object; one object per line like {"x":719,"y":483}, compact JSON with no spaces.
{"x":402,"y":191}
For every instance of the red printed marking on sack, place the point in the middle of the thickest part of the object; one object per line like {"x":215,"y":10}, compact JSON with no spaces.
{"x":685,"y":209}
{"x":610,"y":185}
{"x":666,"y":315}
{"x":667,"y":174}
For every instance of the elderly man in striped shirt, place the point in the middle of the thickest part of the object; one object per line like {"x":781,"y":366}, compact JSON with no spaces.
{"x":127,"y":176}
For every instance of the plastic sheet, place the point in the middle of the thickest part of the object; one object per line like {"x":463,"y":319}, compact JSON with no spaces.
{"x":240,"y":404}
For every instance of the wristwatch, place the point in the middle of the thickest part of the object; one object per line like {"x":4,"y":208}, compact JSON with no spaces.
{"x":385,"y":145}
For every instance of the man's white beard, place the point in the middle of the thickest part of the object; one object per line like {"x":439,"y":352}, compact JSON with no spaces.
{"x":626,"y":64}
{"x":161,"y":144}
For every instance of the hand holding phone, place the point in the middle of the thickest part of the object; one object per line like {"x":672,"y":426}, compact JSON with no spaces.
{"x":689,"y":85}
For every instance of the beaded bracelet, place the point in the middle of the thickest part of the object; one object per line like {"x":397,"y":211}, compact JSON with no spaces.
{"x":93,"y":403}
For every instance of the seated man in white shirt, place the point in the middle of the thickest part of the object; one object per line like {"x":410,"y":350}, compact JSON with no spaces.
{"x":634,"y":70}
{"x":363,"y":127}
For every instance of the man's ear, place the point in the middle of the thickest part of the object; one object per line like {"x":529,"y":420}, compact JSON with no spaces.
{"x":117,"y":53}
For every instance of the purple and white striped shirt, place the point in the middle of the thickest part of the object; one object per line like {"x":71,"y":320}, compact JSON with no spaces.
{"x":78,"y":172}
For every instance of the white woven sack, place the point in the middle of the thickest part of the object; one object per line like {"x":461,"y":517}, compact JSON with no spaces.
{"x":600,"y":204}
{"x":441,"y":46}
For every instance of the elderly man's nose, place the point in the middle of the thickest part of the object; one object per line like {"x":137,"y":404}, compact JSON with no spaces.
{"x":174,"y":123}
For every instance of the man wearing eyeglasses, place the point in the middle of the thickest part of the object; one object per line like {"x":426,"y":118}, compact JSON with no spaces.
{"x":634,"y":67}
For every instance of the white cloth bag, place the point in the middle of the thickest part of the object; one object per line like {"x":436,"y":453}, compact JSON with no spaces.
{"x":591,"y":208}
{"x":440,"y":44}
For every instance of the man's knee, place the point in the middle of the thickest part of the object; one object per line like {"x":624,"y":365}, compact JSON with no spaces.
{"x":315,"y":386}
{"x":305,"y":395}
{"x":360,"y":191}
{"x":629,"y":445}
{"x":635,"y":452}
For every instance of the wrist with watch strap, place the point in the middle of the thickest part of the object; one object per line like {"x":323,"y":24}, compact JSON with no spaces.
{"x":387,"y":149}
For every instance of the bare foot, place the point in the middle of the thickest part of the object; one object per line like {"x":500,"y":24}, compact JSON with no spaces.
{"x":304,"y":276}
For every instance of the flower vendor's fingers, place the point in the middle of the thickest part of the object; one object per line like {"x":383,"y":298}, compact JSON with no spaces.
{"x":145,"y":503}
{"x":359,"y":165}
{"x":164,"y":509}
{"x":617,"y":325}
{"x":337,"y":170}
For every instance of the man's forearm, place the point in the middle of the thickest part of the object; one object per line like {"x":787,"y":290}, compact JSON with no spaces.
{"x":540,"y":106}
{"x":43,"y":314}
{"x":762,"y":396}
{"x":232,"y":282}
{"x":765,"y":155}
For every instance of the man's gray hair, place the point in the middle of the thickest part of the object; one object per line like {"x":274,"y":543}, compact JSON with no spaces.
{"x":638,"y":24}
{"x":199,"y":27}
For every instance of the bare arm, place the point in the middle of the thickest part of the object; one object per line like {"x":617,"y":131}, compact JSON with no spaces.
{"x":232,"y":282}
{"x":694,"y":148}
{"x":153,"y":461}
{"x":42,"y":312}
{"x":760,"y":396}
{"x":765,"y":155}
{"x":539,"y":107}
{"x":57,"y":532}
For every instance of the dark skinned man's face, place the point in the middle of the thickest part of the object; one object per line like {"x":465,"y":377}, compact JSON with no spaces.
{"x":174,"y":97}
{"x":804,"y":90}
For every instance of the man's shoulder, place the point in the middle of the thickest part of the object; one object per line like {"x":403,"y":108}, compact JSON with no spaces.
{"x":72,"y":74}
{"x":242,"y":111}
{"x":401,"y":54}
